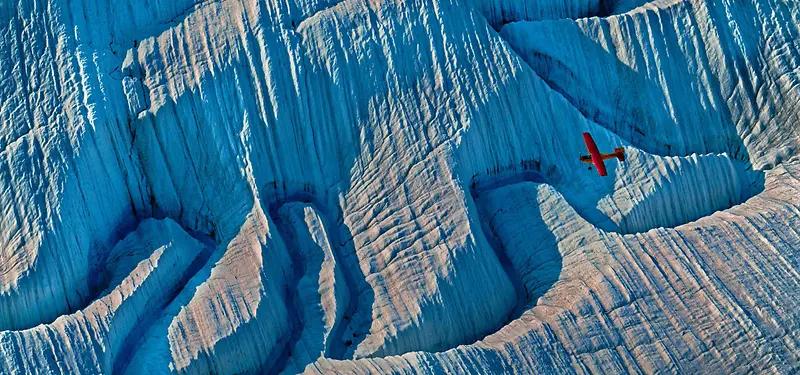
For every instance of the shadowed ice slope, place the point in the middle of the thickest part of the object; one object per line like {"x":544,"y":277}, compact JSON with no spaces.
{"x":649,"y":191}
{"x":322,"y":288}
{"x":501,"y":12}
{"x":222,"y":305}
{"x":144,"y":269}
{"x":679,"y":77}
{"x":212,"y":115}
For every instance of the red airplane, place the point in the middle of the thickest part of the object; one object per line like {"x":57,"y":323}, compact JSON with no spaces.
{"x":597,"y":158}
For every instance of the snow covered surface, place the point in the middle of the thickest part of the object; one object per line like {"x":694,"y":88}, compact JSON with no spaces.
{"x":393,"y":186}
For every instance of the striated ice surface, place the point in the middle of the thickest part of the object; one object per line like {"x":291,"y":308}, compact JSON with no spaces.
{"x":143,"y":271}
{"x":393,"y":186}
{"x":671,"y":65}
{"x":322,"y":294}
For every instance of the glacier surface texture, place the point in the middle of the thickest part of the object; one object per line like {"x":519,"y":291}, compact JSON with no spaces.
{"x":393,"y":186}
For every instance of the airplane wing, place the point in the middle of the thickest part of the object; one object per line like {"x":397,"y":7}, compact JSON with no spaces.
{"x":597,"y":159}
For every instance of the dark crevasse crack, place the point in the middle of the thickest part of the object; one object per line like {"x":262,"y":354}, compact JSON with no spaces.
{"x":309,"y":14}
{"x":501,"y":13}
{"x":294,"y":304}
{"x":345,"y":333}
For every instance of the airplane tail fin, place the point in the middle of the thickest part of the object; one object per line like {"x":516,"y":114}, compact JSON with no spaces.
{"x":620,"y":153}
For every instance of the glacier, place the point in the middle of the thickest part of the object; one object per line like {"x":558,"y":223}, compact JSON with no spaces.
{"x":393,"y":186}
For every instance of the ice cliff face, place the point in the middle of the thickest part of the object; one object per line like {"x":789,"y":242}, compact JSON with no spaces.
{"x":394,"y":186}
{"x":667,"y":67}
{"x":143,"y":270}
